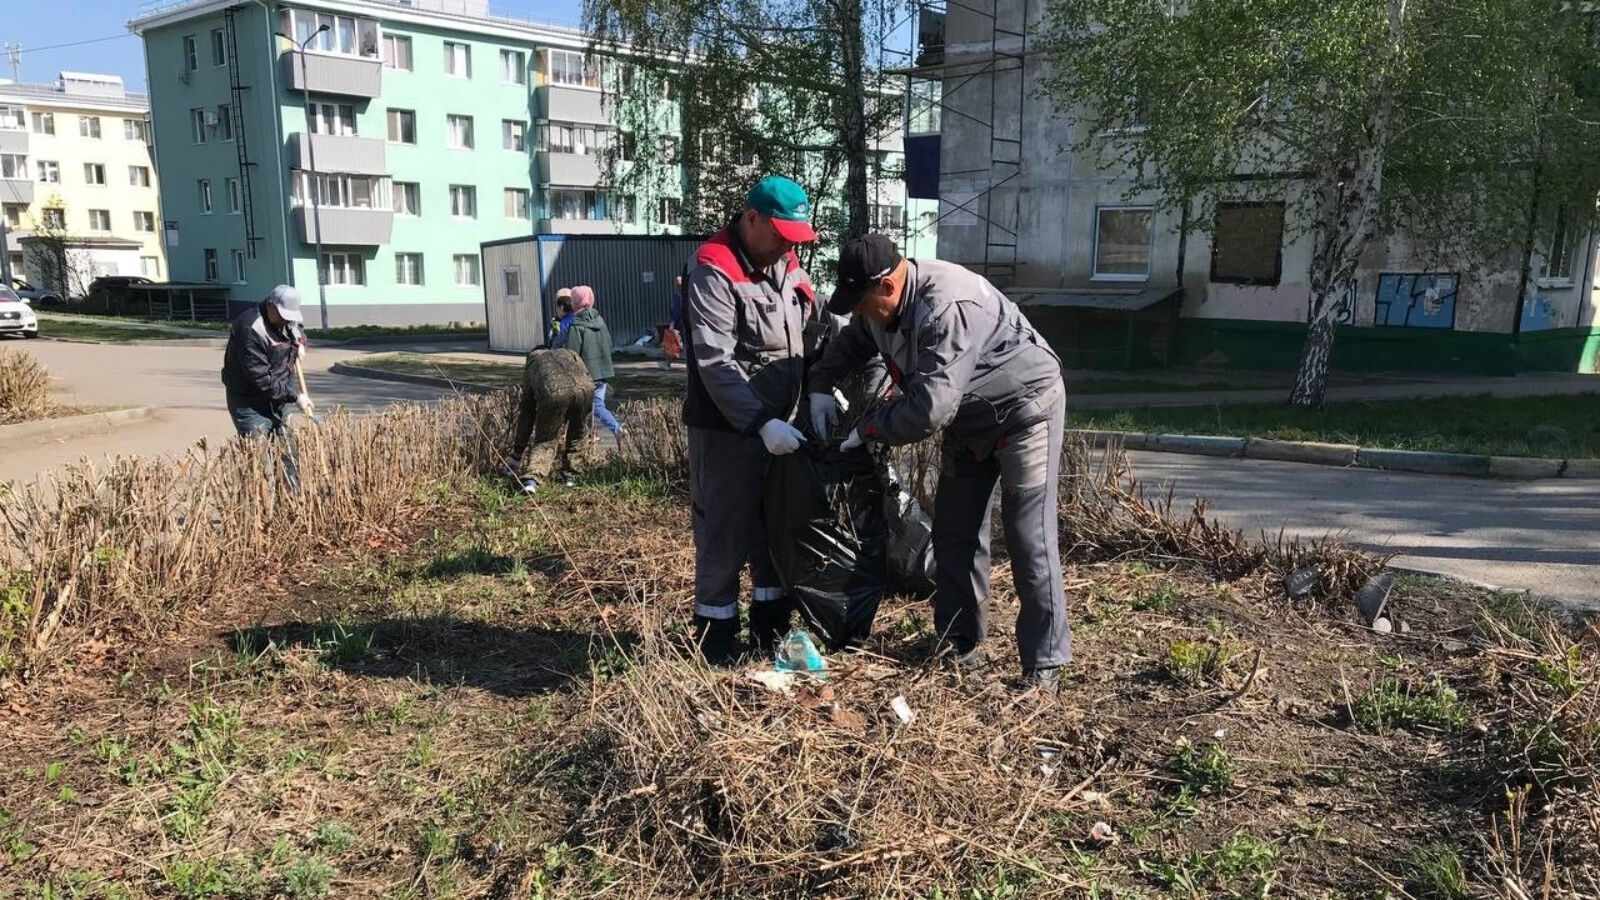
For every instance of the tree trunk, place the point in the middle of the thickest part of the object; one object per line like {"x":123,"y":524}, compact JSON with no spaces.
{"x":856,"y":149}
{"x":1316,"y":357}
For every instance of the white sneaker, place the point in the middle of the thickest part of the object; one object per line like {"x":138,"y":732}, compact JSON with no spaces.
{"x":530,"y":485}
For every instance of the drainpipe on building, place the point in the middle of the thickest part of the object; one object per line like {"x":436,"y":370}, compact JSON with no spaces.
{"x":277,"y":142}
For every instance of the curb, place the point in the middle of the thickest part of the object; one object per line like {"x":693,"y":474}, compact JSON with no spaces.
{"x":379,"y":339}
{"x":73,"y":426}
{"x":344,"y":368}
{"x":1349,"y":455}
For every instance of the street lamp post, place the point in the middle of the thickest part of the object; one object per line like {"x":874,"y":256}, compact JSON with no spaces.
{"x":312,"y":188}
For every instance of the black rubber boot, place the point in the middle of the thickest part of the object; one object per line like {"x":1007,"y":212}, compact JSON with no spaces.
{"x":960,"y":655}
{"x":769,"y":624}
{"x":717,"y":640}
{"x":1047,"y":680}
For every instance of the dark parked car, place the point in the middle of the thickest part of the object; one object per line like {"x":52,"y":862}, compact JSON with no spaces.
{"x":110,"y":292}
{"x":35,"y":296}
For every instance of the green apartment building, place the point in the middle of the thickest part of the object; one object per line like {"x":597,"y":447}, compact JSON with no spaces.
{"x":434,"y":126}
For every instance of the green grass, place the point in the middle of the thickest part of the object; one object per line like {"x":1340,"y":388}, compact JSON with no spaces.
{"x":109,"y":332}
{"x":1391,"y":704}
{"x":483,"y":373}
{"x":1156,"y":386}
{"x":342,"y":333}
{"x":1554,"y":427}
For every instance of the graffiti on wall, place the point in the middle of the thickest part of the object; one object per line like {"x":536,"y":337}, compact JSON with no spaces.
{"x":1538,"y":314}
{"x":1416,"y":300}
{"x":1344,"y":311}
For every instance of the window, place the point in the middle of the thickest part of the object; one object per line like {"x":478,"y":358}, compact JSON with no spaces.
{"x":99,"y":220}
{"x":466,"y":269}
{"x":459,"y":132}
{"x":408,"y":268}
{"x":575,"y":203}
{"x":1122,"y":243}
{"x":139,"y":176}
{"x":150,"y":266}
{"x":1246,"y":246}
{"x":144,"y":221}
{"x":407,"y":198}
{"x":94,"y":173}
{"x":457,"y":60}
{"x":14,"y":166}
{"x":464,"y":201}
{"x":1557,"y":265}
{"x":54,"y":217}
{"x":224,"y":116}
{"x":238,"y":266}
{"x":402,"y":126}
{"x":12,"y":119}
{"x":211,"y":264}
{"x":343,"y":268}
{"x":569,"y":67}
{"x":49,"y":171}
{"x":622,"y":208}
{"x":516,"y":203}
{"x":513,"y":67}
{"x":885,"y":217}
{"x":514,"y":135}
{"x":627,"y":146}
{"x":134,"y":130}
{"x":219,"y":48}
{"x":333,"y":118}
{"x":13,"y":214}
{"x":89,"y":127}
{"x":667,"y":147}
{"x":345,"y":35}
{"x":343,"y":191}
{"x":191,"y":53}
{"x":43,"y":123}
{"x":205,"y":196}
{"x":197,"y":125}
{"x":668,"y":211}
{"x":397,"y":52}
{"x":235,"y":197}
{"x":561,"y":137}
{"x":511,"y":281}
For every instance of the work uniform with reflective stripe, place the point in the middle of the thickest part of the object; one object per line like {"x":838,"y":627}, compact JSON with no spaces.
{"x":744,"y":348}
{"x":966,"y":360}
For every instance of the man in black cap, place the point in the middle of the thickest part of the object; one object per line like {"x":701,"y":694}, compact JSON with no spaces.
{"x":966,"y":360}
{"x":258,"y":365}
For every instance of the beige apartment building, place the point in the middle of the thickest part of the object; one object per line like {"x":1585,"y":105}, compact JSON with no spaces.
{"x":77,"y":172}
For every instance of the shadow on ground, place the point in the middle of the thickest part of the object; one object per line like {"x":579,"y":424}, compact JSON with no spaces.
{"x":511,"y":662}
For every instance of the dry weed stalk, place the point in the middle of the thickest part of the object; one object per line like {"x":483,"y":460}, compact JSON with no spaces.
{"x":24,"y":388}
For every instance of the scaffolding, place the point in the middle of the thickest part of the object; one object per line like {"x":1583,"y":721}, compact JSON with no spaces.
{"x":995,"y":50}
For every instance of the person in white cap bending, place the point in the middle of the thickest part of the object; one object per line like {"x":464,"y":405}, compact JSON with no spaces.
{"x":258,"y":366}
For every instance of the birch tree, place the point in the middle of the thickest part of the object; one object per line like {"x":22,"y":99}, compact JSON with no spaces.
{"x":1464,"y":125}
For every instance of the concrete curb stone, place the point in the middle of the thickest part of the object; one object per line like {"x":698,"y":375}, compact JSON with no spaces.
{"x":1423,"y":461}
{"x":1525,"y":467}
{"x":344,"y":368}
{"x":1198,"y":444}
{"x":72,"y":426}
{"x":1581,"y":468}
{"x":1301,"y":452}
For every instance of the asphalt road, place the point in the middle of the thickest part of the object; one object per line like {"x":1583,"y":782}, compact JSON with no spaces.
{"x":1542,"y":536}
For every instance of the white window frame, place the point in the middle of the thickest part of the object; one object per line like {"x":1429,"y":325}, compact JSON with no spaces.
{"x":53,"y":170}
{"x":53,"y":217}
{"x":92,"y":171}
{"x":203,"y":187}
{"x":142,"y":216}
{"x":457,"y":52}
{"x":17,"y":163}
{"x":474,"y":269}
{"x":138,"y":176}
{"x":1149,"y":259}
{"x":224,"y":127}
{"x":398,"y":190}
{"x":402,"y":117}
{"x":1557,"y":264}
{"x":412,"y":275}
{"x":219,"y":48}
{"x":238,"y":266}
{"x":342,"y":269}
{"x":89,"y":127}
{"x":391,"y":52}
{"x":346,"y":35}
{"x":513,"y":67}
{"x":13,"y":118}
{"x":235,"y":196}
{"x":338,"y":119}
{"x":197,"y":126}
{"x":340,"y":191}
{"x":470,"y":193}
{"x":150,"y":266}
{"x":562,"y":74}
{"x":450,"y":136}
{"x":43,"y":123}
{"x":519,"y":211}
{"x":514,"y":135}
{"x":191,"y":53}
{"x":136,"y":130}
{"x":213,"y":267}
{"x":99,"y":220}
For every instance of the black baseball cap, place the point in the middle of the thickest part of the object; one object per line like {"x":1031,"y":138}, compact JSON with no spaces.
{"x":862,"y":261}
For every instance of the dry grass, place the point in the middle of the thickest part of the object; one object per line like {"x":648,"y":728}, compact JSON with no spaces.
{"x":24,"y":388}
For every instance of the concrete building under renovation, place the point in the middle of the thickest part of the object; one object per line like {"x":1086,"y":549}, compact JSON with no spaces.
{"x":1114,"y":283}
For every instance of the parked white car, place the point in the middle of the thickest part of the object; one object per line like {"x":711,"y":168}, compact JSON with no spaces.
{"x":16,"y":316}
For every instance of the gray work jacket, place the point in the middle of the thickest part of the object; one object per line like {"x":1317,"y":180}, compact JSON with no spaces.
{"x":965,"y":357}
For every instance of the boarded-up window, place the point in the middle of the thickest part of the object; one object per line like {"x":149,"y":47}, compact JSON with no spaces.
{"x":1247,"y":247}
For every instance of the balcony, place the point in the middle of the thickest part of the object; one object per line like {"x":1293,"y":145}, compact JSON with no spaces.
{"x":351,"y":76}
{"x":576,"y":169}
{"x":562,"y":103}
{"x":338,"y":153}
{"x":13,"y":141}
{"x":16,"y":190}
{"x":577,"y":226}
{"x":345,"y":226}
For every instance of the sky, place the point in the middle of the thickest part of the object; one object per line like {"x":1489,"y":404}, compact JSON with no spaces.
{"x":102,"y":43}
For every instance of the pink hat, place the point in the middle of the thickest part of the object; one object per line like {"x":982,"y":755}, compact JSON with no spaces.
{"x":582,"y":298}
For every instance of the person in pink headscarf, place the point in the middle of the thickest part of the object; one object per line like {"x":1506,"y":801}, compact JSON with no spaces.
{"x":591,"y":340}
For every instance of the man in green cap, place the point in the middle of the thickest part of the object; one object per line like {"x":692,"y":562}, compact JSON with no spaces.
{"x":746,"y":300}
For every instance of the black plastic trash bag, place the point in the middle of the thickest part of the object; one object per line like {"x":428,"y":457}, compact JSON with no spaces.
{"x":827,"y":534}
{"x":910,"y":535}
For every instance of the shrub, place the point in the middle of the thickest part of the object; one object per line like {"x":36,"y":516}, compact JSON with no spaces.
{"x":24,"y":388}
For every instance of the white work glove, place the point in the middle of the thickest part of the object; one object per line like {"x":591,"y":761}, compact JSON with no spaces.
{"x":306,"y":406}
{"x":300,"y":351}
{"x":781,"y":438}
{"x":853,"y":441}
{"x":824,"y":412}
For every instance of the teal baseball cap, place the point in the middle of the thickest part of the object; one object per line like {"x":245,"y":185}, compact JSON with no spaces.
{"x":786,"y":204}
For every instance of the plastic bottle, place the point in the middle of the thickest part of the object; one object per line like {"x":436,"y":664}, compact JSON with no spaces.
{"x":798,"y":653}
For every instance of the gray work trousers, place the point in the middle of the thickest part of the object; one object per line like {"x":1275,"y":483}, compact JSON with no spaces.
{"x":1027,"y":465}
{"x":726,"y":471}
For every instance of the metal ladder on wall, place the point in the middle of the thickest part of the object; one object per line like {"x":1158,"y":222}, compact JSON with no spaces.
{"x":1005,"y":150}
{"x":241,"y":145}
